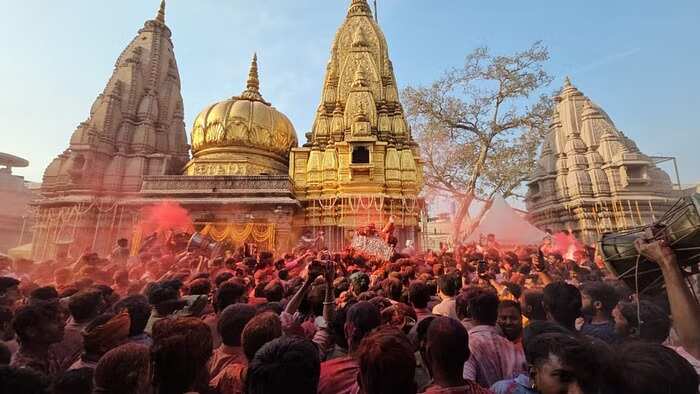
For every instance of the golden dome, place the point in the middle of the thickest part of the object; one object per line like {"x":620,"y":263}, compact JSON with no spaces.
{"x":244,"y":126}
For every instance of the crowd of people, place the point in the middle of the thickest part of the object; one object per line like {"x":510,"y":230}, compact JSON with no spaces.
{"x":478,"y":319}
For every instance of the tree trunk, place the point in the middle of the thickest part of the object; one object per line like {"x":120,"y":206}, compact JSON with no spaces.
{"x":458,"y":219}
{"x":477,"y":219}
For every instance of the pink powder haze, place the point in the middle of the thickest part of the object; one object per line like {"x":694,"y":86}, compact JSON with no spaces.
{"x":165,"y":216}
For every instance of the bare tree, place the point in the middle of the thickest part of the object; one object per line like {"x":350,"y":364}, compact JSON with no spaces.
{"x":479,"y":127}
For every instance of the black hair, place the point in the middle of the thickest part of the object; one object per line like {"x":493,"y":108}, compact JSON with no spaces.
{"x":85,"y":304}
{"x":46,"y":293}
{"x":232,"y":321}
{"x":655,"y":323}
{"x":74,"y":381}
{"x":174,"y":284}
{"x":5,"y":354}
{"x":449,"y":284}
{"x":387,"y":363}
{"x":227,"y":294}
{"x":364,"y":317}
{"x":200,"y":286}
{"x":337,"y":326}
{"x":284,"y":365}
{"x":222,"y":277}
{"x":392,"y":288}
{"x":432,"y":286}
{"x":22,"y":380}
{"x":274,"y":291}
{"x":449,"y":345}
{"x":161,"y":293}
{"x":462,"y":305}
{"x":418,"y":294}
{"x":563,"y":302}
{"x":534,"y":307}
{"x":260,"y":330}
{"x":5,"y":314}
{"x":7,"y":283}
{"x":31,"y":316}
{"x":572,"y":352}
{"x":483,"y":306}
{"x":139,"y":312}
{"x":602,"y":292}
{"x":649,"y":368}
{"x":259,"y":291}
{"x":540,"y":327}
{"x":421,"y":329}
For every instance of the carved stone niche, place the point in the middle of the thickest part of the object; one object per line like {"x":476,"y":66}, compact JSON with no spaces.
{"x":635,"y":174}
{"x":534,"y":192}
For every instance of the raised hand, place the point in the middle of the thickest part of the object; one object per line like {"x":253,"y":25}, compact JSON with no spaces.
{"x":656,"y":251}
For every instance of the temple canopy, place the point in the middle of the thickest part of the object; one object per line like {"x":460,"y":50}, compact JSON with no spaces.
{"x":509,"y":227}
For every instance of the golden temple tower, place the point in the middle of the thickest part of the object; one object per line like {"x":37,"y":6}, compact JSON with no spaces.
{"x":360,"y":164}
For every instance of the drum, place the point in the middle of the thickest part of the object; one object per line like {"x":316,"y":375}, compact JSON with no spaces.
{"x":205,"y":245}
{"x":680,"y":227}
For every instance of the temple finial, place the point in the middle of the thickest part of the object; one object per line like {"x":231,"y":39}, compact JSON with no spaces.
{"x":253,"y":83}
{"x":252,"y":91}
{"x":359,"y":7}
{"x":160,"y":17}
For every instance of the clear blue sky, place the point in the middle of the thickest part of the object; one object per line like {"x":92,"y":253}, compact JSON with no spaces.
{"x":638,"y":59}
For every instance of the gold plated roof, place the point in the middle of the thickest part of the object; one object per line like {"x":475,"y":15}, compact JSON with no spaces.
{"x":244,"y":121}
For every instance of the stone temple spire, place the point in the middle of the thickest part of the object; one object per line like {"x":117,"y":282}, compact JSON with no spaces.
{"x":160,"y":17}
{"x":252,"y":91}
{"x":134,"y":123}
{"x":598,"y":184}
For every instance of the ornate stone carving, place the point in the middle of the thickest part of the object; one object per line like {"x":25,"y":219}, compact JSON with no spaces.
{"x":136,"y":113}
{"x":587,"y":163}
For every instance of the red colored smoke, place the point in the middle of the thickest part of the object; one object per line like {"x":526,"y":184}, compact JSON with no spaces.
{"x":566,"y":244}
{"x":168,"y":215}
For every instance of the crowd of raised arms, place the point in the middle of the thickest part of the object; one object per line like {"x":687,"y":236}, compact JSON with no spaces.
{"x":479,"y":319}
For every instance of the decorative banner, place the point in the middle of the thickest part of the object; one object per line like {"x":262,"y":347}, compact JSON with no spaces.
{"x":372,"y":246}
{"x":239,"y":233}
{"x":136,"y":239}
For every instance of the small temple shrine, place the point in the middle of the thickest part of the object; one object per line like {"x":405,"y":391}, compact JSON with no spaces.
{"x":246,"y":180}
{"x":590,"y":177}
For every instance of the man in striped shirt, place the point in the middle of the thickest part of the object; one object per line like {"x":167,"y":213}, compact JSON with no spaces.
{"x":493,"y":357}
